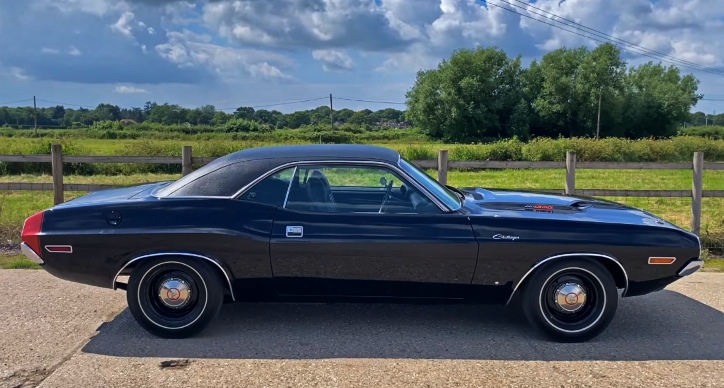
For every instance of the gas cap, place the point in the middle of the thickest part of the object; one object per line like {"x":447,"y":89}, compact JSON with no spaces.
{"x":113,"y":218}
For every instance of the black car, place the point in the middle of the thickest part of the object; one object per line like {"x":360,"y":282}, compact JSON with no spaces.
{"x":354,"y":223}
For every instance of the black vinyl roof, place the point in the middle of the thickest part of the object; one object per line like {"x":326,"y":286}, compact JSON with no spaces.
{"x":226,"y":175}
{"x":316,"y":151}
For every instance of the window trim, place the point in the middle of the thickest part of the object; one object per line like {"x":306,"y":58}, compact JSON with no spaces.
{"x":289,"y":188}
{"x":297,"y":164}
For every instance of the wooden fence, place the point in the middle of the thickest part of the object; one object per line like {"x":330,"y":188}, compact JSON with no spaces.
{"x":442,"y":164}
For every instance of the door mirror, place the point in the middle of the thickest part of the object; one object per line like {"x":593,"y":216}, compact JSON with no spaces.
{"x":383,"y":181}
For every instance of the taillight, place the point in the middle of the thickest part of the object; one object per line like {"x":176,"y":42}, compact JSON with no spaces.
{"x":31,"y":232}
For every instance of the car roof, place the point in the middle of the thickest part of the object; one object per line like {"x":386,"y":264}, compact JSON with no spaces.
{"x":315,"y":152}
{"x":225,"y":175}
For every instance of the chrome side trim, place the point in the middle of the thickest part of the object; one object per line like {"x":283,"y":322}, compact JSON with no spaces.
{"x":30,"y":254}
{"x":690,"y":268}
{"x":397,"y":169}
{"x":228,"y":280}
{"x":289,"y":188}
{"x":625,"y":275}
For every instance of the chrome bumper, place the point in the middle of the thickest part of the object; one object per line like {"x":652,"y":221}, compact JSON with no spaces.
{"x":30,"y":254}
{"x":690,"y":268}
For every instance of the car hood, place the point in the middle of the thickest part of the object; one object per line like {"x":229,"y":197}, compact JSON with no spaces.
{"x":536,"y":204}
{"x":496,"y":198}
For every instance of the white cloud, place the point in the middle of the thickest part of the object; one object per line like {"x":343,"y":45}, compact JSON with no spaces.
{"x":123,"y":25}
{"x":151,"y":31}
{"x":93,"y":7}
{"x":18,"y":73}
{"x":318,"y":24}
{"x":333,"y":60}
{"x":129,"y":89}
{"x":72,"y":50}
{"x":187,"y":49}
{"x":671,"y":27}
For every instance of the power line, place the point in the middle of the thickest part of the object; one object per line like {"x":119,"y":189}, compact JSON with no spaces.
{"x":374,"y":102}
{"x":63,"y":103}
{"x":15,"y":102}
{"x":637,"y":51}
{"x":277,"y":104}
{"x":608,"y":36}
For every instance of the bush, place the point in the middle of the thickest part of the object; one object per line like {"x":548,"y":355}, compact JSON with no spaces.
{"x":715,"y":132}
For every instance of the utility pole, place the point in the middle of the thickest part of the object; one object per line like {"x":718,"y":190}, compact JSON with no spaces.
{"x":35,"y":114}
{"x":331,"y":111}
{"x":598,"y":126}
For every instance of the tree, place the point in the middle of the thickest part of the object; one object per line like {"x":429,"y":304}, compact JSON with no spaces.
{"x":657,"y":100}
{"x":470,"y":96}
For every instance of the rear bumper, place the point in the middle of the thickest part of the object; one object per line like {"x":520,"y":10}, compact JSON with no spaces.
{"x":690,"y":268}
{"x":30,"y":254}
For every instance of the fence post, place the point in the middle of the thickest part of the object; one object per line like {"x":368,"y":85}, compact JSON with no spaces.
{"x":442,"y":167}
{"x":570,"y":172}
{"x":186,"y":160}
{"x":697,"y":188}
{"x":56,"y":158}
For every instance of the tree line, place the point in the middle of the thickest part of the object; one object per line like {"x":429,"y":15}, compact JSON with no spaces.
{"x":474,"y":95}
{"x":172,"y":114}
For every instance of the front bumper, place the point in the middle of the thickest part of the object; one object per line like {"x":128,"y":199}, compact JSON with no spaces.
{"x":690,"y":268}
{"x":30,"y":254}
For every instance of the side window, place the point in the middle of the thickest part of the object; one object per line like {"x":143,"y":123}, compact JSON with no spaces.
{"x":355,"y":189}
{"x":272,"y":190}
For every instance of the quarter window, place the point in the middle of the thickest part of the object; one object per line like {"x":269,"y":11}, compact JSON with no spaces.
{"x":272,"y":190}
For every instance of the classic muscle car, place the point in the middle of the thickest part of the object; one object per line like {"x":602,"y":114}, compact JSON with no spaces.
{"x":354,"y":223}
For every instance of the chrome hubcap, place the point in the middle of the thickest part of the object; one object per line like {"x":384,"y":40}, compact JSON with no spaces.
{"x":174,"y":293}
{"x":570,"y":297}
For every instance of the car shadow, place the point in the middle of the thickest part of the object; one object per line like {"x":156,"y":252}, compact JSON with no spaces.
{"x":662,"y":326}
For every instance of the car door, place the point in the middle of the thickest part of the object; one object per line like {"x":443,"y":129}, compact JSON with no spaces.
{"x":334,"y":237}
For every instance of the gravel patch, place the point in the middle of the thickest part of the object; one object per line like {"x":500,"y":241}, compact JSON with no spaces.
{"x":9,"y":249}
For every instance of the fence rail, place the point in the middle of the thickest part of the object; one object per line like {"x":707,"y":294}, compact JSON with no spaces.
{"x":442,"y":164}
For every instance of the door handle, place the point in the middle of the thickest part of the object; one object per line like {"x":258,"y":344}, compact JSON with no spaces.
{"x":295,"y":231}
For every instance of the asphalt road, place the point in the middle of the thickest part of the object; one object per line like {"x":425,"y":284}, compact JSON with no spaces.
{"x":58,"y":334}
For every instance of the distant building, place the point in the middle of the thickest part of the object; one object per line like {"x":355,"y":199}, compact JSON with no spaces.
{"x":128,"y":121}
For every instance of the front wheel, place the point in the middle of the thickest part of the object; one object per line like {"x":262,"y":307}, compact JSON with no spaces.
{"x":174,"y":297}
{"x":570,"y":300}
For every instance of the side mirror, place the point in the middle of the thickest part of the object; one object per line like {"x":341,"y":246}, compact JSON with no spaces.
{"x":383,"y":181}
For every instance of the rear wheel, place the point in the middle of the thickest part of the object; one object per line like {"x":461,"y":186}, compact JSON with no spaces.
{"x":174,"y":297}
{"x":570,"y":300}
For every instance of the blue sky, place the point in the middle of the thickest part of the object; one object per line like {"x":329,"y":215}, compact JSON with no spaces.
{"x":253,"y":52}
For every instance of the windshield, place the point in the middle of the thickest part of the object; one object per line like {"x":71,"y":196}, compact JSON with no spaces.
{"x":444,"y":194}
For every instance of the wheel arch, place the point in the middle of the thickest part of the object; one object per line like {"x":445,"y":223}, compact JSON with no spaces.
{"x":217,"y":267}
{"x":612,"y":265}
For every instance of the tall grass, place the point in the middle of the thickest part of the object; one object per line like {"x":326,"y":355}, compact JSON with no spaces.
{"x":677,"y":149}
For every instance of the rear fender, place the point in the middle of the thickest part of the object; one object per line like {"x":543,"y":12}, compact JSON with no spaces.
{"x":138,"y":259}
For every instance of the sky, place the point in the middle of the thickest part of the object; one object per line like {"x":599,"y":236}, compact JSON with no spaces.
{"x":232,"y":53}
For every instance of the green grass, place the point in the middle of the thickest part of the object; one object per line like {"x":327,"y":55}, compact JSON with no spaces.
{"x":713,"y":265}
{"x":16,"y":262}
